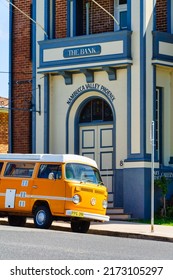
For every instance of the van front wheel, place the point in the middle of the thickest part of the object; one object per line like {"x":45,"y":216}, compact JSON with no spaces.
{"x":18,"y":221}
{"x":42,"y":217}
{"x":80,"y":226}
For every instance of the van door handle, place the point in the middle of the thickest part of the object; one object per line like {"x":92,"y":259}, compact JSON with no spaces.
{"x":35,"y":187}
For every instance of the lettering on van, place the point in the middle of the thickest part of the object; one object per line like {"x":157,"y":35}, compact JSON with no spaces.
{"x":91,"y":86}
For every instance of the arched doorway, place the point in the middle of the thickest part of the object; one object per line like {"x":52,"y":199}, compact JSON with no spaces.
{"x":96,"y":138}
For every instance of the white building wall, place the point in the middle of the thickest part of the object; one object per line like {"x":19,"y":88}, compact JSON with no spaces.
{"x":135,"y":78}
{"x":60,"y":93}
{"x":164,"y":81}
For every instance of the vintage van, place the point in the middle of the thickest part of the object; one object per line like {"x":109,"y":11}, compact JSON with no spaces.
{"x":51,"y":187}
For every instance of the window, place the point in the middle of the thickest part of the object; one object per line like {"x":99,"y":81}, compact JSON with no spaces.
{"x":82,"y":173}
{"x":96,"y":110}
{"x":75,"y":8}
{"x":120,"y":14}
{"x":46,"y":169}
{"x":1,"y":165}
{"x":19,"y":169}
{"x":51,"y":18}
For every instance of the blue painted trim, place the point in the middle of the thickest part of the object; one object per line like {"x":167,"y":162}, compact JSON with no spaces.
{"x":160,"y":159}
{"x":159,"y":62}
{"x":34,"y":79}
{"x":75,"y":42}
{"x":129,"y":14}
{"x":142,"y":83}
{"x":48,"y":9}
{"x":101,"y":131}
{"x":89,"y":153}
{"x":10,"y":117}
{"x":46,"y":114}
{"x":169,"y":16}
{"x":154,"y":15}
{"x":74,"y":17}
{"x":154,"y":106}
{"x":76,"y":140}
{"x":123,"y":64}
{"x":46,"y":18}
{"x":68,"y":18}
{"x":101,"y":162}
{"x":162,"y":37}
{"x":88,"y":147}
{"x":129,"y":89}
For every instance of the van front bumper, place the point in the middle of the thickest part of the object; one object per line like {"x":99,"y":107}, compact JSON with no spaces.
{"x":86,"y":215}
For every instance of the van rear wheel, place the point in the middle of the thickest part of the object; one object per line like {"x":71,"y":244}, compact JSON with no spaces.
{"x":18,"y":221}
{"x":42,"y":217}
{"x":80,"y":226}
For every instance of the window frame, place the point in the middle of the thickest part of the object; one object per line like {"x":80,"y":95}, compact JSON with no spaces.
{"x":118,"y":8}
{"x":17,"y":168}
{"x":48,"y":165}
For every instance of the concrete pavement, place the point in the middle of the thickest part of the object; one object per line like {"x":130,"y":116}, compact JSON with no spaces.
{"x":127,"y":229}
{"x":118,"y":228}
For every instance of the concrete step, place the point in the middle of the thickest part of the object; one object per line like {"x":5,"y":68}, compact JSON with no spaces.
{"x":111,"y":210}
{"x":117,"y":214}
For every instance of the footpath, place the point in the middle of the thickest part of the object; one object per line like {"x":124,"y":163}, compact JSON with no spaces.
{"x":117,"y":228}
{"x":127,"y":229}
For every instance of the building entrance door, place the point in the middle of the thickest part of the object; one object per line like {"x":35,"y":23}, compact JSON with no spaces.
{"x":96,"y":142}
{"x":96,"y":139}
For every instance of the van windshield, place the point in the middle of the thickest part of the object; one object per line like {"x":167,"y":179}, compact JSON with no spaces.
{"x":82,"y":173}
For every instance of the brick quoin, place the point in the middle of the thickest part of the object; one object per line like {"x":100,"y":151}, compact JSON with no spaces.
{"x":22,"y":76}
{"x":3,"y":132}
{"x":161,"y":15}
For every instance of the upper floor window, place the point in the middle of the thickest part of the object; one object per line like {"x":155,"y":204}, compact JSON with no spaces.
{"x":51,"y":18}
{"x":75,"y":8}
{"x":120,"y":13}
{"x":86,"y":17}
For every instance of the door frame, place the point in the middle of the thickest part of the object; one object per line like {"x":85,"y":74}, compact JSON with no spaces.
{"x":77,"y":125}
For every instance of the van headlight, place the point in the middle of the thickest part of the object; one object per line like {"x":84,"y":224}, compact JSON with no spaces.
{"x":105,"y":204}
{"x":76,"y":199}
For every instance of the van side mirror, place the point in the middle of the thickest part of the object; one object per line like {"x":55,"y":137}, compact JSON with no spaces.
{"x":51,"y":176}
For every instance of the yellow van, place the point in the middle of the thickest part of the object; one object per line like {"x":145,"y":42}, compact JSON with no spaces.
{"x":51,"y":187}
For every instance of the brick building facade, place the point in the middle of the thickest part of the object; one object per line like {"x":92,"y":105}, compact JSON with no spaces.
{"x":3,"y":125}
{"x":76,"y":61}
{"x":21,"y":62}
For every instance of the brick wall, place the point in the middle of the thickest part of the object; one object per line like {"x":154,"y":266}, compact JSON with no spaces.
{"x":61,"y":19}
{"x":161,"y":15}
{"x":100,"y":21}
{"x":22,"y":75}
{"x":3,"y":131}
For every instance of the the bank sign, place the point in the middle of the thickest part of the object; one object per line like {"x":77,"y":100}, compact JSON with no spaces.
{"x":83,"y":51}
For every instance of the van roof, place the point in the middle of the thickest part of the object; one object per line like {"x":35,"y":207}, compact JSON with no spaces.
{"x":49,"y":158}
